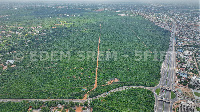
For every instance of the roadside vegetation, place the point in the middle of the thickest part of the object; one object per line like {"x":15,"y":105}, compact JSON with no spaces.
{"x":197,"y":94}
{"x":158,"y":91}
{"x":198,"y":108}
{"x":173,"y":95}
{"x":130,"y":100}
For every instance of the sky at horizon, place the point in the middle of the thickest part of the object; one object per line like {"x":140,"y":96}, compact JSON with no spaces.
{"x":143,"y":1}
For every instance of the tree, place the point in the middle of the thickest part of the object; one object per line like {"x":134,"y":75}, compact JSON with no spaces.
{"x":71,"y":110}
{"x":86,"y":103}
{"x":45,"y":109}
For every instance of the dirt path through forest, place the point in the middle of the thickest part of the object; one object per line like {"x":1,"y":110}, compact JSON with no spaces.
{"x":95,"y":85}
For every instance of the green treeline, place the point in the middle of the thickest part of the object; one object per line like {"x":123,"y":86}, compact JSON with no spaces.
{"x":130,"y":100}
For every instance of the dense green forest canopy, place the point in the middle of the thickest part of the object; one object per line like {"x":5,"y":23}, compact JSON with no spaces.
{"x":30,"y":36}
{"x":131,"y":100}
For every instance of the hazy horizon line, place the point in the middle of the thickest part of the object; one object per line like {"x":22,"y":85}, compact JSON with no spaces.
{"x":104,"y":1}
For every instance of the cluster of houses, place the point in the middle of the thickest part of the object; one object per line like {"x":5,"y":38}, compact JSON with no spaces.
{"x":195,"y":81}
{"x":186,"y":47}
{"x":188,"y":106}
{"x":61,"y":108}
{"x":187,"y":38}
{"x":8,"y":33}
{"x":8,"y":62}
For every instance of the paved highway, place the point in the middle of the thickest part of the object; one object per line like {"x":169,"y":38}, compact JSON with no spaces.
{"x":160,"y":106}
{"x":164,"y":102}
